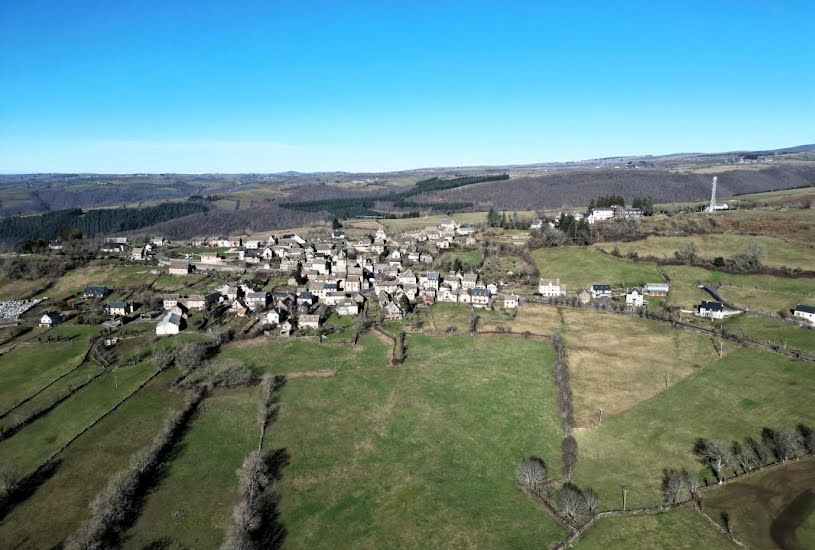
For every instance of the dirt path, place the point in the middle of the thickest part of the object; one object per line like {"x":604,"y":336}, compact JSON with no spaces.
{"x":389,"y":341}
{"x":319,"y":373}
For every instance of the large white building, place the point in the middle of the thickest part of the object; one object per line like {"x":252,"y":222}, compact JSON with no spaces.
{"x":551,"y":288}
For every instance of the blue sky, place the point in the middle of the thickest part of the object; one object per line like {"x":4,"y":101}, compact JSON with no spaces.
{"x":362,"y":86}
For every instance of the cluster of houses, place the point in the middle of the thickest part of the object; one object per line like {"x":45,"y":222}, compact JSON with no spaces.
{"x":338,"y":274}
{"x":634,"y":297}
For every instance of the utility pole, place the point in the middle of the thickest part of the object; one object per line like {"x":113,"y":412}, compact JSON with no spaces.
{"x":600,"y":412}
{"x":625,"y":495}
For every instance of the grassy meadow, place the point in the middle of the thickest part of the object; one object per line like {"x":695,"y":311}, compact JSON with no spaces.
{"x":732,"y":399}
{"x":29,"y":364}
{"x":681,"y":529}
{"x":192,"y":506}
{"x":421,"y":455}
{"x":779,"y":252}
{"x":60,"y":504}
{"x":28,"y":448}
{"x":614,"y":362}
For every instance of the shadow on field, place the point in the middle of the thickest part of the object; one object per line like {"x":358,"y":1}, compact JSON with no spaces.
{"x":28,"y":486}
{"x":273,"y":532}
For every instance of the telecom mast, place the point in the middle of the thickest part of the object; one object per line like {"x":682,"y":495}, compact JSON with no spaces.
{"x":712,"y":207}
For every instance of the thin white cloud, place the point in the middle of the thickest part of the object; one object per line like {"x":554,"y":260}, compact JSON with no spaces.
{"x":199,"y":146}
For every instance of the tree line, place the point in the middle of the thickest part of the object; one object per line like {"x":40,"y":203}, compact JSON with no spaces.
{"x":115,"y":508}
{"x":739,"y":457}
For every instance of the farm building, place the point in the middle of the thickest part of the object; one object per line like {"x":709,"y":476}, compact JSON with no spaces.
{"x":656,"y":289}
{"x":180,"y":268}
{"x":309,"y":322}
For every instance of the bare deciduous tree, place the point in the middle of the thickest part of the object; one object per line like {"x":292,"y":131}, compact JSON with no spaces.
{"x":759,"y":450}
{"x":531,"y":474}
{"x":742,"y":458}
{"x":570,"y":504}
{"x":788,"y":444}
{"x":592,"y":501}
{"x":807,"y":438}
{"x":672,"y":486}
{"x":713,"y":455}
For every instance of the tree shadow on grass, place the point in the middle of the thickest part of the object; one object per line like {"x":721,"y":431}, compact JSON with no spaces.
{"x":273,"y":533}
{"x":27,"y":486}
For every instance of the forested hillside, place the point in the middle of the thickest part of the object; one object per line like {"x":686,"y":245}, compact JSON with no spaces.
{"x":216,"y":221}
{"x":94,"y":222}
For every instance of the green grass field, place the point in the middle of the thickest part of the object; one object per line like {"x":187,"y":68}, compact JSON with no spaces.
{"x":470,"y":258}
{"x":192,"y":506}
{"x":732,"y":399}
{"x":779,"y":251}
{"x":115,"y":276}
{"x":776,"y":332}
{"x":58,"y":507}
{"x":29,"y":447}
{"x":59,"y":389}
{"x":681,"y":529}
{"x":283,"y":356}
{"x":30,"y":365}
{"x":421,"y":455}
{"x":580,"y":267}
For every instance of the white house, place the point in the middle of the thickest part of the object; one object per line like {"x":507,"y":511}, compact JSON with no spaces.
{"x":599,"y":215}
{"x":551,"y":288}
{"x":276,"y":316}
{"x":138,"y":254}
{"x":480,"y":297}
{"x":169,"y":324}
{"x":634,"y":297}
{"x":50,"y":319}
{"x":805,"y":313}
{"x":600,"y":291}
{"x":511,"y":301}
{"x":711,"y":310}
{"x":347,"y":307}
